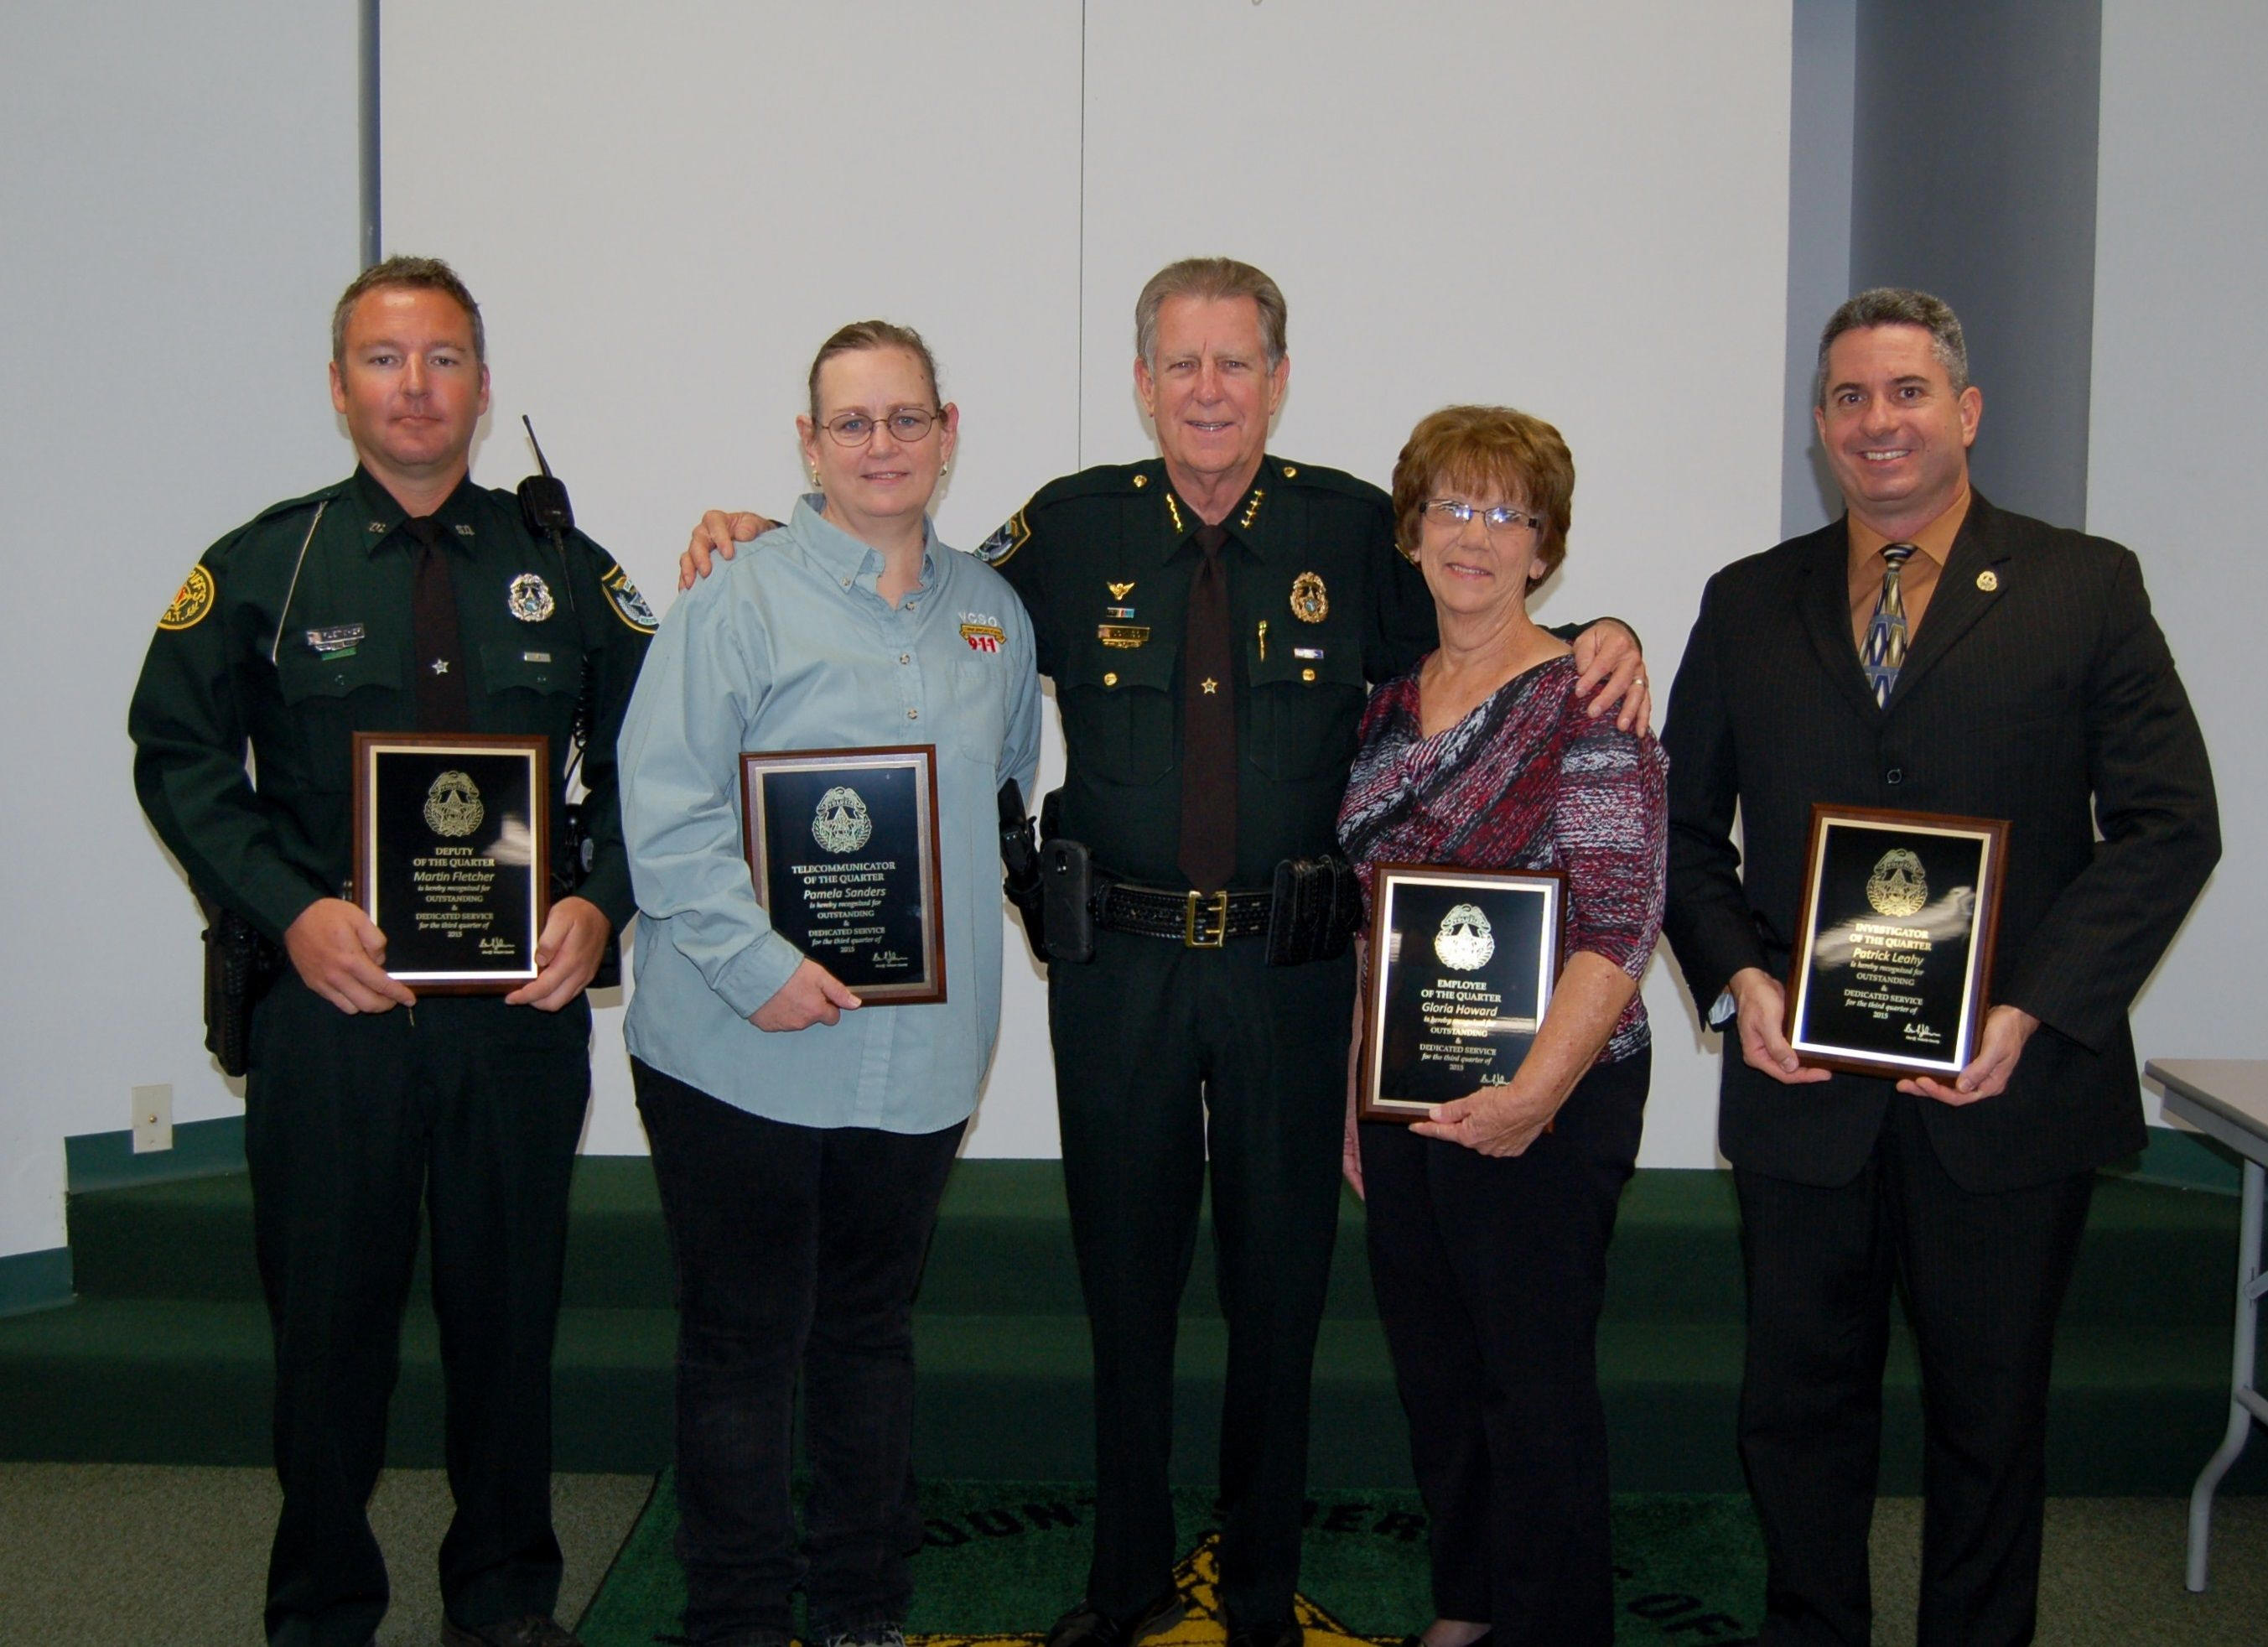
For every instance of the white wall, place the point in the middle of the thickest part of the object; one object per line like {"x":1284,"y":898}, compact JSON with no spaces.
{"x":177,"y":212}
{"x":1526,"y":202}
{"x":2181,"y":352}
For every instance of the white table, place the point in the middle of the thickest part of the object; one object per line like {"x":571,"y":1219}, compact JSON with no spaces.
{"x":2227,"y":1100}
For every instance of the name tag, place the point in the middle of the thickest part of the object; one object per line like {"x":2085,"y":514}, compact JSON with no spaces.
{"x":1124,"y":636}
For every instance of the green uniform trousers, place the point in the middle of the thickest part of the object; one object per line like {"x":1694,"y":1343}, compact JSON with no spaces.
{"x":472,"y":1108}
{"x":1167,"y":1060}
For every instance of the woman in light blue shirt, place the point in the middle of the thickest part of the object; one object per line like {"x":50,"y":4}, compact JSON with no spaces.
{"x":800,"y":1139}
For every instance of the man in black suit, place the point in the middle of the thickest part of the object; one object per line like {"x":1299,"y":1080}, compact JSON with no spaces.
{"x":1926,"y":653}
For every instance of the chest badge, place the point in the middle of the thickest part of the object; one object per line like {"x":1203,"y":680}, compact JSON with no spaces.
{"x":1119,"y":591}
{"x":1988,"y":581}
{"x":530,"y":598}
{"x":983,"y":632}
{"x":1311,"y":603}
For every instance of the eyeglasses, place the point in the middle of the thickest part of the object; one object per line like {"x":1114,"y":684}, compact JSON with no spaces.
{"x":906,"y":425}
{"x":1446,"y":512}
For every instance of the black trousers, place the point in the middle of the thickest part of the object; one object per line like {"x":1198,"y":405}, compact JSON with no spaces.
{"x":1491,"y":1272}
{"x":1984,"y":1277}
{"x":796,"y":1252}
{"x":473,"y":1109}
{"x":1167,"y":1059}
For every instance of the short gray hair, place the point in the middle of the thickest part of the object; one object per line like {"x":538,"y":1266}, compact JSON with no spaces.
{"x":1897,"y":305}
{"x":1211,"y":279}
{"x":417,"y":274}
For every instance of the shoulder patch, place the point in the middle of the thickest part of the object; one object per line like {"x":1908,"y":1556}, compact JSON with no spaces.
{"x":191,"y":605}
{"x":629,"y":604}
{"x":1011,"y":536}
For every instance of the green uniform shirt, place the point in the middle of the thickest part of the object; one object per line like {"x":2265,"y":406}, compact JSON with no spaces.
{"x":1320,"y":602}
{"x":293,"y":633}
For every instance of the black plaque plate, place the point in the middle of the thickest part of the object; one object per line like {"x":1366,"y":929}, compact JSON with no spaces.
{"x":453,"y":845}
{"x":1894,"y":951}
{"x":842,"y":848}
{"x":1461,"y":966}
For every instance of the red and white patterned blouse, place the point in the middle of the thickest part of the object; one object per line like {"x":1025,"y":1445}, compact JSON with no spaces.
{"x":1527,"y":780}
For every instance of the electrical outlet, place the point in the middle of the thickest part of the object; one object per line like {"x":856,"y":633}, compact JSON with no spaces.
{"x":153,"y":1117}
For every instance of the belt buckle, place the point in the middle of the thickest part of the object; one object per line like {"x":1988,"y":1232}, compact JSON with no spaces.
{"x":1216,"y":907}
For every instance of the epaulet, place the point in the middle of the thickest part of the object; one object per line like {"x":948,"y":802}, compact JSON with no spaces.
{"x":293,"y":506}
{"x":1321,"y":478}
{"x":1104,"y":480}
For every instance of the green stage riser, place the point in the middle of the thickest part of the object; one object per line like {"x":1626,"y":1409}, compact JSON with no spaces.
{"x":164,"y":1358}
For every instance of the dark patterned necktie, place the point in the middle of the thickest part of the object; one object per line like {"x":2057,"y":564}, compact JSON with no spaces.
{"x":1208,"y":854}
{"x":1885,"y":651}
{"x":441,"y":702}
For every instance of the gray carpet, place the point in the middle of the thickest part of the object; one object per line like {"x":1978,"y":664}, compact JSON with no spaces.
{"x":97,"y":1554}
{"x":101,"y":1554}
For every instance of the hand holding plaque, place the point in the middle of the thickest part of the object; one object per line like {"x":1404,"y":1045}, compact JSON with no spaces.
{"x":1894,"y":947}
{"x":1461,"y":967}
{"x":452,"y":846}
{"x":843,"y":849}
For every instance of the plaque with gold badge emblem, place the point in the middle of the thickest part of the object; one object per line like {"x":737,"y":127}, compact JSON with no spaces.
{"x":1461,"y":967}
{"x":842,"y":850}
{"x":1893,"y":945}
{"x":452,"y":855}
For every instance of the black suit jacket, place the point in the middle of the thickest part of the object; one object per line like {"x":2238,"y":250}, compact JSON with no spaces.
{"x":2050,"y":701}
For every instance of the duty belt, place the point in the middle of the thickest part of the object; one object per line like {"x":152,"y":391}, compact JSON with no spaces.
{"x":1201,"y":920}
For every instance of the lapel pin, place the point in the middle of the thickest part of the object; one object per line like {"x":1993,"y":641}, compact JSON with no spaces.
{"x":1987,"y":580}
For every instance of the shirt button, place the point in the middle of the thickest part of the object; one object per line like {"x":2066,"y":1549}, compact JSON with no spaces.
{"x":905,"y":657}
{"x":913,"y":715}
{"x":1306,"y":675}
{"x":846,"y":583}
{"x":1895,"y":775}
{"x":1111,"y":679}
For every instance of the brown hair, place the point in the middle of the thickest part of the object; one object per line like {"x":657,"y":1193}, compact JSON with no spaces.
{"x":861,"y":335}
{"x":1210,"y":280}
{"x":417,"y":274}
{"x":1479,"y":448}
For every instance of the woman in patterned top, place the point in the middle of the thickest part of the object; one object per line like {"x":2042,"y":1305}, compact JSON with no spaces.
{"x":1489,"y":1222}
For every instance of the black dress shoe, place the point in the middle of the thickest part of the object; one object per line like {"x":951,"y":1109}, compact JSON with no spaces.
{"x":1287,"y":1634}
{"x":1087,"y":1626}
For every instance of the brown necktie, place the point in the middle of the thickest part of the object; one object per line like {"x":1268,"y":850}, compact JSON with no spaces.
{"x":441,"y":702}
{"x":1208,"y":854}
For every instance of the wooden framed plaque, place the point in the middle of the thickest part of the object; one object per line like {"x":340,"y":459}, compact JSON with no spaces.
{"x":842,"y":848}
{"x":1894,"y":947}
{"x":452,"y":854}
{"x":1461,"y":967}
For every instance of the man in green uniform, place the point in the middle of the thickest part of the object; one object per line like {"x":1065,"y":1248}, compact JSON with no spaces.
{"x":402,"y":598}
{"x":1212,"y":619}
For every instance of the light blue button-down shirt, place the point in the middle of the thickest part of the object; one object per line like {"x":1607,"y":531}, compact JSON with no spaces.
{"x":791,"y":646}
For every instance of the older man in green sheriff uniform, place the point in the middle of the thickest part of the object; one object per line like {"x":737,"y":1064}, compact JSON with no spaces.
{"x":1178,"y":1047}
{"x":348,"y":610}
